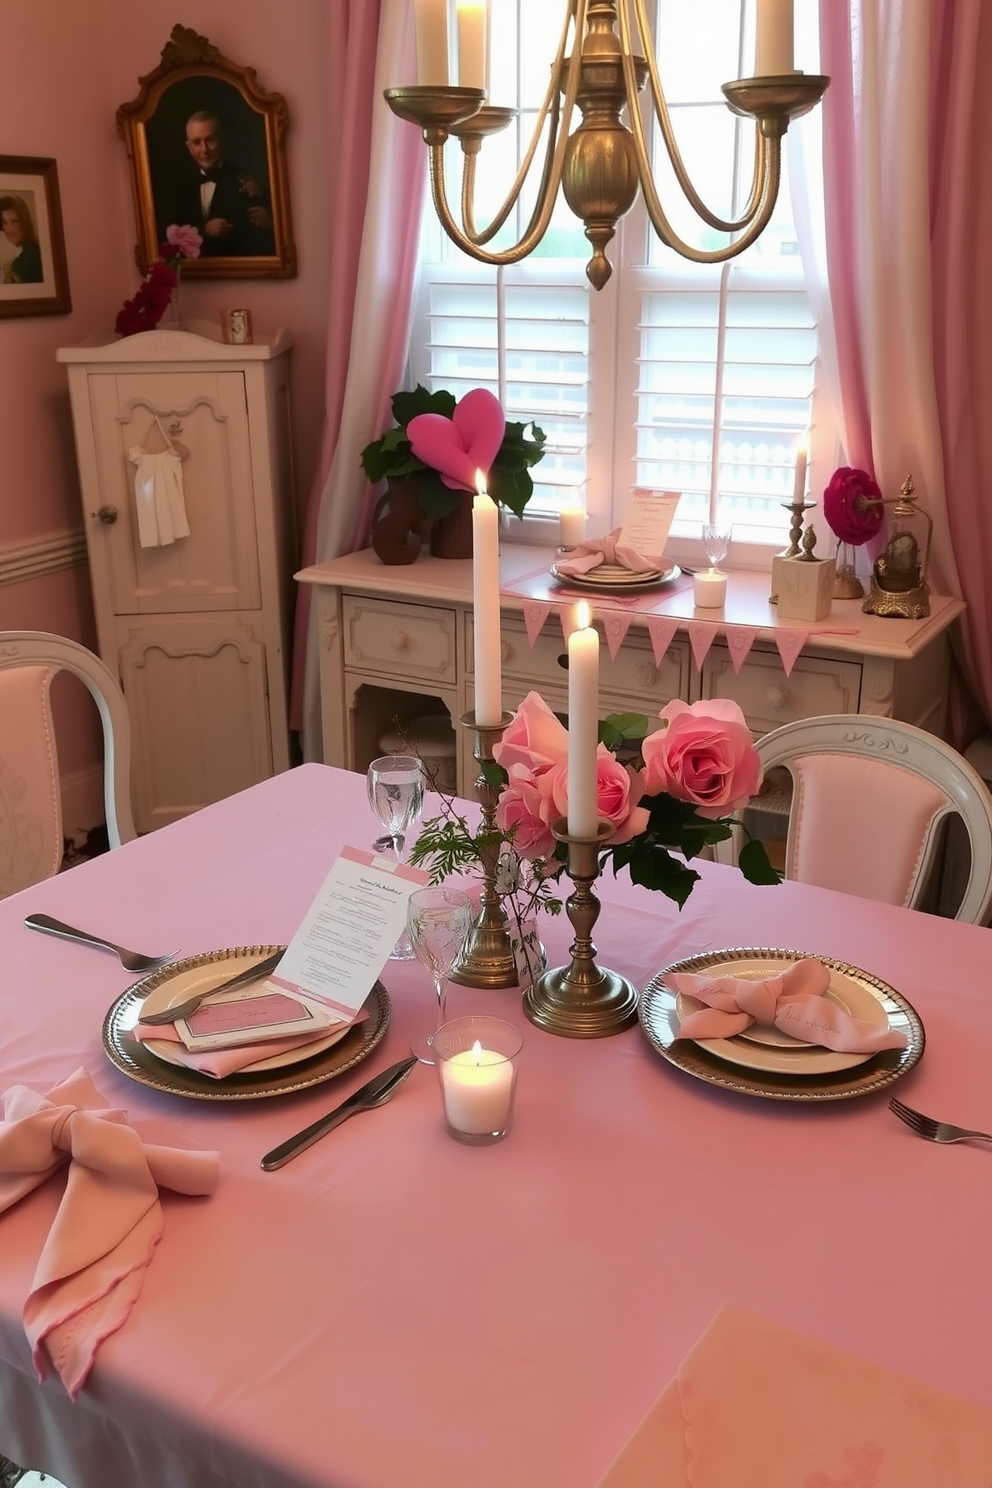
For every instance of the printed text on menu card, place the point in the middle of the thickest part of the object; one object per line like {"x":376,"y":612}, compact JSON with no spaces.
{"x":648,"y":521}
{"x":349,"y":930}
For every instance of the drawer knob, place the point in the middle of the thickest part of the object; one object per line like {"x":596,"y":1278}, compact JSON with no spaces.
{"x":108,"y":515}
{"x":399,"y":640}
{"x":506,"y":651}
{"x":776,"y":696}
{"x":647,"y":675}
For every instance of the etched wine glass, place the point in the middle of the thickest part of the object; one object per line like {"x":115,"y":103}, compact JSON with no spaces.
{"x":716,"y":542}
{"x":396,"y":784}
{"x":439,"y":920}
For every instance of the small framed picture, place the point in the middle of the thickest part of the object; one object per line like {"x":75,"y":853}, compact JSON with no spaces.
{"x":237,"y":327}
{"x":33,"y":275}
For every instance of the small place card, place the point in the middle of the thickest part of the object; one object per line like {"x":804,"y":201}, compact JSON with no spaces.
{"x":649,"y":521}
{"x":349,"y":930}
{"x":525,"y":945}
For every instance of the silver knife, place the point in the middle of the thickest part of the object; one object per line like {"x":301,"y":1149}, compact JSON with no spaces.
{"x":375,"y":1093}
{"x":243,"y":978}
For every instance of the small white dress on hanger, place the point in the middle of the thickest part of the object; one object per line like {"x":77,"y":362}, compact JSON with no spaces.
{"x":158,"y":495}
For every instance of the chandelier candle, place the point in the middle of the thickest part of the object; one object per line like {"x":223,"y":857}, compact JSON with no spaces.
{"x":774,"y":52}
{"x":485,"y":612}
{"x":430,"y":19}
{"x":472,"y":20}
{"x":583,"y":725}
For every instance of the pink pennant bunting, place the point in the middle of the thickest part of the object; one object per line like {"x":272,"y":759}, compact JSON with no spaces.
{"x":661,"y":628}
{"x":790,"y":643}
{"x":536,"y":611}
{"x":616,"y":626}
{"x":740,"y":639}
{"x":702,"y":634}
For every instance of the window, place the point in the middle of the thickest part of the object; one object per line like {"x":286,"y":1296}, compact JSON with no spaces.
{"x":676,"y":376}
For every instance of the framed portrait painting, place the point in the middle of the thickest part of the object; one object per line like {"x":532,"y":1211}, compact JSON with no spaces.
{"x":33,"y":275}
{"x":207,"y":147}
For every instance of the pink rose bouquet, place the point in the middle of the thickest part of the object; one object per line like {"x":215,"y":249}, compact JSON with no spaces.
{"x":675,"y":790}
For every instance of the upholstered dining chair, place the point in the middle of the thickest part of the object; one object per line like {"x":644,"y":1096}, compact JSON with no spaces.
{"x":868,"y":798}
{"x":31,"y":840}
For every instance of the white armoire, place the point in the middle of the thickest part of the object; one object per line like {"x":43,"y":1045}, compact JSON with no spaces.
{"x":197,"y":630}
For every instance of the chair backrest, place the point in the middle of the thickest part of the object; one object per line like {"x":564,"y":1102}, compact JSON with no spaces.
{"x":30,"y":807}
{"x":868,"y":798}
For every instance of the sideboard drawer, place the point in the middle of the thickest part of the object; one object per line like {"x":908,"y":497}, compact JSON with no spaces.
{"x":400,"y":640}
{"x":633,"y":674}
{"x":768,"y":698}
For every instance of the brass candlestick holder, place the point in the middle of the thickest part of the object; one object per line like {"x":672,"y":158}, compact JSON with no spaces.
{"x":487,"y":960}
{"x":582,"y":1000}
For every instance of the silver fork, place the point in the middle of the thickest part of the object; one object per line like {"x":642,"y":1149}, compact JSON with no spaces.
{"x":935,"y":1131}
{"x":130,"y":960}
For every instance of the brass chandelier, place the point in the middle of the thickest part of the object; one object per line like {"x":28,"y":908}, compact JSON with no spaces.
{"x":600,"y":165}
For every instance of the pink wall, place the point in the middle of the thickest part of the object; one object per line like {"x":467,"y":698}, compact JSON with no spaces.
{"x":67,"y":67}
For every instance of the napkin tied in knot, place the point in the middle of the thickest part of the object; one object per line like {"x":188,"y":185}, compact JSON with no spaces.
{"x":609,"y":549}
{"x":794,"y":1001}
{"x":108,"y":1223}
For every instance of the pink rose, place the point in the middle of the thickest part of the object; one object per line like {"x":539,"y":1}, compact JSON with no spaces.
{"x":617,"y":790}
{"x":535,"y":738}
{"x":706,"y":755}
{"x":525,"y":805}
{"x":184,"y":239}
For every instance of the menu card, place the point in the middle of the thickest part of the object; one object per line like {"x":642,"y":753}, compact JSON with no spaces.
{"x":648,"y":522}
{"x":349,"y":930}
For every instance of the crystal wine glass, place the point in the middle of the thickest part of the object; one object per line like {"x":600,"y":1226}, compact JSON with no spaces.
{"x":716,"y":541}
{"x":439,"y":920}
{"x":396,"y":784}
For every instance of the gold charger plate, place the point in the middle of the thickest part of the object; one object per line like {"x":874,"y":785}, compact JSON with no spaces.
{"x":616,"y":578}
{"x":140,"y":1064}
{"x":658,"y":1014}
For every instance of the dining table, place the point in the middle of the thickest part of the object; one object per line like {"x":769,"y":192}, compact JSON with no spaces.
{"x":395,"y":1309}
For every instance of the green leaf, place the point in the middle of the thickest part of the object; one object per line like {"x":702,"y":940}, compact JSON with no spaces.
{"x":493,"y":774}
{"x":627,"y":726}
{"x":406,"y":405}
{"x":755,"y":865}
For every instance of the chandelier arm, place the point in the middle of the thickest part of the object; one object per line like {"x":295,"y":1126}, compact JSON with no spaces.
{"x":668,"y":133}
{"x":750,"y":234}
{"x":553,"y":158}
{"x":536,"y":229}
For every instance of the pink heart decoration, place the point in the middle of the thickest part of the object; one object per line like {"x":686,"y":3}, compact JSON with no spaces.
{"x":459,"y":447}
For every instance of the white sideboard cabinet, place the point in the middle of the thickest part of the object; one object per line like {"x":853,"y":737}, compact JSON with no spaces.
{"x":396,"y":642}
{"x":198,"y":630}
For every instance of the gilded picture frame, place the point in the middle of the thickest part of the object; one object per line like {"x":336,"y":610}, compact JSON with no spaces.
{"x":206,"y":146}
{"x":34,"y":278}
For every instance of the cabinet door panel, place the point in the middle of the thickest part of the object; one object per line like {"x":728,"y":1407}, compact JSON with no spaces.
{"x":216,"y":567}
{"x":196,"y":693}
{"x":768,"y":698}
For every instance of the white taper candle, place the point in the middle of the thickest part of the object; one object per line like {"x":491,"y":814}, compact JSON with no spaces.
{"x":583,"y":725}
{"x":775,"y":44}
{"x":471,"y":20}
{"x":430,"y":20}
{"x":485,"y":613}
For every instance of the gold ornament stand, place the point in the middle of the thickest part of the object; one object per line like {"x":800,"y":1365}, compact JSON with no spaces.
{"x":487,"y":960}
{"x":582,"y":1000}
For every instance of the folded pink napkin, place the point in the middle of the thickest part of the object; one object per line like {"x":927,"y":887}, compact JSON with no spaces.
{"x":108,"y":1223}
{"x":596,"y":550}
{"x":793,"y":1001}
{"x":755,"y":1405}
{"x":223,"y":1062}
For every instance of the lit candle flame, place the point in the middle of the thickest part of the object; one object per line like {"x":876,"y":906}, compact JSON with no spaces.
{"x":583,"y":615}
{"x":480,"y":483}
{"x":477,"y":1052}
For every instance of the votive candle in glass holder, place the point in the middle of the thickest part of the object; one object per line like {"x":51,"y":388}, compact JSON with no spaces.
{"x":571,"y":527}
{"x":709,"y":589}
{"x":475,"y":1059}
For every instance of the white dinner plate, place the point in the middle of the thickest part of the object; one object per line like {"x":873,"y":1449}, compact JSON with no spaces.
{"x":657,"y":1012}
{"x":613,"y":576}
{"x":761,"y":1047}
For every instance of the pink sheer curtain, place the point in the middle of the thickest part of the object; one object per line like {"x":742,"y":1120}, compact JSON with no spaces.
{"x":376,"y":187}
{"x":906,"y":211}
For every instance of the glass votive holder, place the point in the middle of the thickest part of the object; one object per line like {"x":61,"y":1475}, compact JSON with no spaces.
{"x":475,"y":1059}
{"x":709,"y":589}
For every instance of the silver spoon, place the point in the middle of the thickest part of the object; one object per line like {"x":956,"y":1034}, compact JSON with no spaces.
{"x":130,"y":960}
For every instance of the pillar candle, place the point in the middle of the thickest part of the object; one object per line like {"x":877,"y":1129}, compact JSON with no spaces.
{"x":477,"y":1087}
{"x":709,"y":589}
{"x":485,"y":613}
{"x":471,"y":18}
{"x":571,"y":526}
{"x":774,"y":52}
{"x":430,"y":19}
{"x":799,"y":488}
{"x":583,"y":725}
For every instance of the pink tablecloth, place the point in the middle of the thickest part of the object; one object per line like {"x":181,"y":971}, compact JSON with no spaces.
{"x":394,"y":1309}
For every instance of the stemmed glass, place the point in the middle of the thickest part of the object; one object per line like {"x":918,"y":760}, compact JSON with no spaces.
{"x":439,"y":921}
{"x":396,"y":784}
{"x":716,"y":542}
